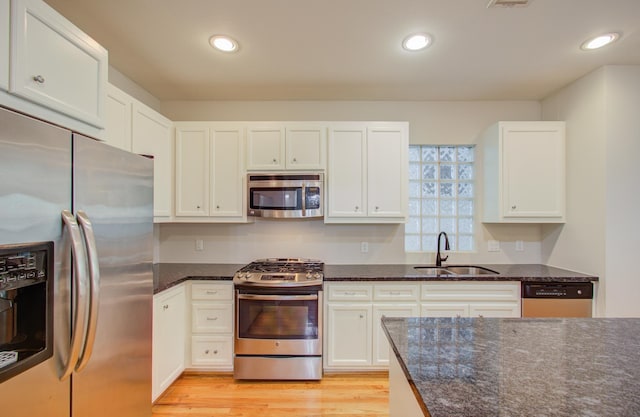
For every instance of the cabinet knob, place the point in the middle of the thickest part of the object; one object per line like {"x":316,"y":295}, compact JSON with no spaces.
{"x":275,"y":161}
{"x":361,"y":316}
{"x":215,"y":352}
{"x":377,"y":208}
{"x":39,"y":79}
{"x":357,"y":208}
{"x":165,"y":307}
{"x":294,"y":160}
{"x":197,"y":207}
{"x":206,"y":352}
{"x":218,"y":207}
{"x":513,"y":207}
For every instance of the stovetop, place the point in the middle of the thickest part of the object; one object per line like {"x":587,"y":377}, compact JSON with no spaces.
{"x":274,"y":272}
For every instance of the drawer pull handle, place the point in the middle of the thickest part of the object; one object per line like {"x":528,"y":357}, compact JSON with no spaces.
{"x":215,"y":352}
{"x":211,"y":292}
{"x":39,"y":79}
{"x":212,"y":318}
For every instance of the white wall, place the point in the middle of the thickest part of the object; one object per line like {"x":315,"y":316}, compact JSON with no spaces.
{"x":430,"y":122}
{"x":602,"y":233}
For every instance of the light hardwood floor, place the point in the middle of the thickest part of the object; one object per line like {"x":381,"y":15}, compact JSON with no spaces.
{"x":208,"y":395}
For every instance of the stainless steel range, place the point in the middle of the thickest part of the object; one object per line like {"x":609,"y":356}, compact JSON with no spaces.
{"x":278,"y":328}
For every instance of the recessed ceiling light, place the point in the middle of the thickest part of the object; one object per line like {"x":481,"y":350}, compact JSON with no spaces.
{"x":417,"y":41}
{"x":600,"y":41}
{"x":223,"y":43}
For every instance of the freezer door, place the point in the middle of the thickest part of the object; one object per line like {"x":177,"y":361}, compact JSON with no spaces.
{"x":35,"y":186}
{"x":115,"y":190}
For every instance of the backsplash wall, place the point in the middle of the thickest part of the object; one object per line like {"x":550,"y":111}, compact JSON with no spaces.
{"x":334,"y":244}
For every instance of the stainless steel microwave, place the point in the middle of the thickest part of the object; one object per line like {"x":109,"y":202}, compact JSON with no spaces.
{"x":284,"y":195}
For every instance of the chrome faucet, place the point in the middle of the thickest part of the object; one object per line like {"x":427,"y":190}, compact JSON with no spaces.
{"x":439,"y":258}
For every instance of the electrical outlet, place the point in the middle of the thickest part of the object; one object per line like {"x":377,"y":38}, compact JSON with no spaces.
{"x":519,"y":246}
{"x":199,"y":245}
{"x":493,"y":246}
{"x":364,"y":247}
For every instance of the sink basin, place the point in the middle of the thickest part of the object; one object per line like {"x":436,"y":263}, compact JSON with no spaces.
{"x":456,"y":270}
{"x":433,"y":270}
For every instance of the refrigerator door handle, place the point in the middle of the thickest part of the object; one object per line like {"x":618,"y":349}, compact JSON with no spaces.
{"x":79,"y":293}
{"x":94,"y":287}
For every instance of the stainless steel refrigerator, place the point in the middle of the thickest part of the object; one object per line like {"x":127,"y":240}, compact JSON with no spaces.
{"x":46,"y":171}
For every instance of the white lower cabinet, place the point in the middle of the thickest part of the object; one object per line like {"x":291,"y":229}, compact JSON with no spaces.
{"x":169,"y":318}
{"x":354,"y":338}
{"x":211,"y":326}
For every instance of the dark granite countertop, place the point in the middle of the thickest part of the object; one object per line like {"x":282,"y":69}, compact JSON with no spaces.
{"x":520,"y":367}
{"x":505,"y":272}
{"x":167,"y":275}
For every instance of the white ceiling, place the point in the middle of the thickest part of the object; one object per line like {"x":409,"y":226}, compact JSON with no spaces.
{"x":351,"y":49}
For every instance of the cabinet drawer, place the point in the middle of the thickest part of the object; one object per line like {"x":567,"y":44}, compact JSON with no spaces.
{"x":396,"y":292}
{"x":350,"y":292}
{"x":212,"y":318}
{"x":464,"y":291}
{"x":212,"y":350}
{"x":208,"y":291}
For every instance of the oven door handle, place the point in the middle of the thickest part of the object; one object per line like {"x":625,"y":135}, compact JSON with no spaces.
{"x":277,"y":297}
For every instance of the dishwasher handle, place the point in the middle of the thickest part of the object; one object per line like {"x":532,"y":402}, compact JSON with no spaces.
{"x":557,"y":290}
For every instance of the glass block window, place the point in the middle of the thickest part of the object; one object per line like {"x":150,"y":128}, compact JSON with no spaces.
{"x":441,"y":197}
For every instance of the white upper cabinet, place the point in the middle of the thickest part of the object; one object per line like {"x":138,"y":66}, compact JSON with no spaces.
{"x":56,"y":65}
{"x":135,"y":127}
{"x":285,"y":146}
{"x":4,"y":44}
{"x":152,"y":135}
{"x":367,"y":175}
{"x":524,"y":172}
{"x":192,"y":171}
{"x":119,"y":107}
{"x":210,"y":172}
{"x":227,"y":185}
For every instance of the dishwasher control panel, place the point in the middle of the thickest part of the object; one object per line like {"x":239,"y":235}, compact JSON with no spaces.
{"x":557,"y":290}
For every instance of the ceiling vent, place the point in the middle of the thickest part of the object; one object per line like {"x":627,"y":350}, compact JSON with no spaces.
{"x":508,"y":3}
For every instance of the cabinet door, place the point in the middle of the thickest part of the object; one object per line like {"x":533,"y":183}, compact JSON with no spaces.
{"x":55,"y":64}
{"x":265,"y":147}
{"x":348,"y":335}
{"x":346,"y":193}
{"x":387,"y":175}
{"x":533,"y":176}
{"x":444,"y":309}
{"x":152,"y":135}
{"x":119,"y":108}
{"x":227,"y":183}
{"x":305,"y":147}
{"x":494,"y":309}
{"x":4,"y":44}
{"x":380,"y":343}
{"x":192,"y":171}
{"x":169,"y":320}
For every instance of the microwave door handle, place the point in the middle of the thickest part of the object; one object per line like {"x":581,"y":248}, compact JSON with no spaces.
{"x":94,"y":288}
{"x":79,"y":292}
{"x":304,"y":200}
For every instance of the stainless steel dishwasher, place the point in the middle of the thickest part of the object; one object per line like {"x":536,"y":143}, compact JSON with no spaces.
{"x":557,"y":299}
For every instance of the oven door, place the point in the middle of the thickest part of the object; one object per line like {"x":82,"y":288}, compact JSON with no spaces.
{"x":270,"y":324}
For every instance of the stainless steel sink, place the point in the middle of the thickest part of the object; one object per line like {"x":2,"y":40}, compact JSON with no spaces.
{"x":470,"y":270}
{"x":455,"y":270}
{"x":433,"y":270}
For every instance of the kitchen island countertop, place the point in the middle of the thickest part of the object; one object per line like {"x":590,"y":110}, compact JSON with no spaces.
{"x":519,"y":367}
